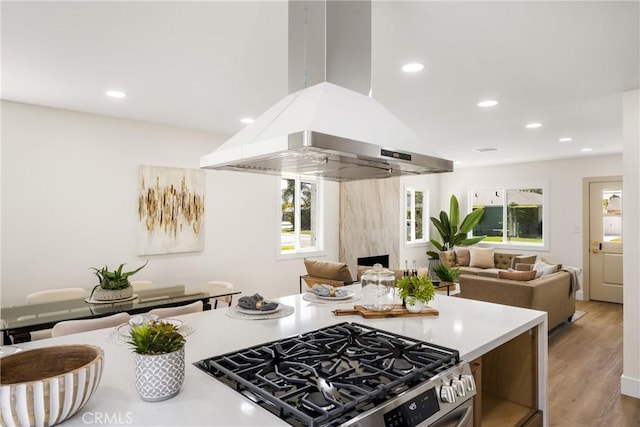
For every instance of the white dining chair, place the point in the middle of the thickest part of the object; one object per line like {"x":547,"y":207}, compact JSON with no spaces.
{"x":68,"y":327}
{"x":217,"y":285}
{"x":141,"y":285}
{"x":194,"y":307}
{"x":52,"y":295}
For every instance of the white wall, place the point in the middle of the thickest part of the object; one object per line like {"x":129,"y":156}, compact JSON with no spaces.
{"x":630,"y":382}
{"x":69,"y":202}
{"x":564,"y":183}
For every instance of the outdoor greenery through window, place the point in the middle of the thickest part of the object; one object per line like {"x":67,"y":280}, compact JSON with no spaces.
{"x":512,"y":216}
{"x":299,"y":228}
{"x":415,"y":216}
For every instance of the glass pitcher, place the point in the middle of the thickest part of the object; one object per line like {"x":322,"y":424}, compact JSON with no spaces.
{"x":378,"y":288}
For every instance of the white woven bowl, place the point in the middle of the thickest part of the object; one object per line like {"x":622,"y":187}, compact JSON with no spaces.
{"x":45,"y":386}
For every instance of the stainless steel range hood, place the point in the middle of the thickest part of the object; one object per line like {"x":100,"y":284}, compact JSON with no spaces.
{"x":328,"y":126}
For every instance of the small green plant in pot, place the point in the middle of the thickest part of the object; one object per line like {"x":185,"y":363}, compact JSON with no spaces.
{"x":113,"y":285}
{"x":415,"y":291}
{"x":159,"y":360}
{"x":446,"y":273}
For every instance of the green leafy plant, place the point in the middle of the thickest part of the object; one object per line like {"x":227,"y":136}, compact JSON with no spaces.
{"x":416,"y":288}
{"x":116,"y":279}
{"x":155,"y":337}
{"x":452,"y":233}
{"x":446,"y":273}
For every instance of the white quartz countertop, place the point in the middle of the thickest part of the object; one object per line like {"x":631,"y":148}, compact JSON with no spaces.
{"x":471,"y":327}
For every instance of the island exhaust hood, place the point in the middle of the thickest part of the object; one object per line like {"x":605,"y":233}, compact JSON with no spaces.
{"x":328,"y":126}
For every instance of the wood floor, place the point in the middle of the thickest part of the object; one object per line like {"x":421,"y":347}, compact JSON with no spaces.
{"x":585,"y":365}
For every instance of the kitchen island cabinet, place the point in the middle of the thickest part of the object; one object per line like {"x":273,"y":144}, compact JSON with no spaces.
{"x":474,"y":328}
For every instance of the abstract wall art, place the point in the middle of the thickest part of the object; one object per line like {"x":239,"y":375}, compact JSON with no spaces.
{"x":170,"y":210}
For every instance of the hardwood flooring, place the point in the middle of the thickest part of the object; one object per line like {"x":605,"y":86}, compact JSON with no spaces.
{"x":585,"y":365}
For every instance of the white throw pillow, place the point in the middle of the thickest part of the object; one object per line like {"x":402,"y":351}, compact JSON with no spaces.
{"x":481,"y":258}
{"x":543,"y":269}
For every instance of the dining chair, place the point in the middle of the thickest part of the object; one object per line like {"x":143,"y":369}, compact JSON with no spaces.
{"x":194,"y":307}
{"x":216,"y":285}
{"x":68,"y":327}
{"x":52,"y":295}
{"x":141,"y":285}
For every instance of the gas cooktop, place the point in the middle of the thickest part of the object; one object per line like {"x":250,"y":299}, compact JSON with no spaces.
{"x":331,"y":375}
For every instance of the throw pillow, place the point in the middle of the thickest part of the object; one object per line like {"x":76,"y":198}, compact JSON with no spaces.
{"x":481,"y":257}
{"x":523,"y":259}
{"x":448,"y":258}
{"x":523,"y":267}
{"x":542,"y":269}
{"x":463,"y":256}
{"x":522,"y":276}
{"x":328,"y":270}
{"x":546,"y":261}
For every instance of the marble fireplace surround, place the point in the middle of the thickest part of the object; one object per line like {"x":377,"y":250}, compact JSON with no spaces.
{"x":369,"y":221}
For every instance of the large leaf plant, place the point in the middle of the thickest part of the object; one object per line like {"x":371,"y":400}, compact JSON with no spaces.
{"x":452,"y":233}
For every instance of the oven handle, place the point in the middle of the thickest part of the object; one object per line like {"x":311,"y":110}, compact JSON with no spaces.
{"x":462,"y":416}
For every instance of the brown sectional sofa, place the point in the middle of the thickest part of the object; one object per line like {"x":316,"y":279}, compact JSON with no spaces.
{"x":551,"y":293}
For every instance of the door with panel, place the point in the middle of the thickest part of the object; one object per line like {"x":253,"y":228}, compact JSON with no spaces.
{"x":605,"y":236}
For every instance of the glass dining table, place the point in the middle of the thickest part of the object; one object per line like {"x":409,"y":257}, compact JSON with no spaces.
{"x":18,"y":321}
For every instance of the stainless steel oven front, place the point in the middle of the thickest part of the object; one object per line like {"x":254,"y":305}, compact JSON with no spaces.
{"x":444,"y":400}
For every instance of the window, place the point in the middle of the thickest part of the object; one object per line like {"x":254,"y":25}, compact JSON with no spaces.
{"x":300,"y":215}
{"x":416,"y":221}
{"x":512,"y":216}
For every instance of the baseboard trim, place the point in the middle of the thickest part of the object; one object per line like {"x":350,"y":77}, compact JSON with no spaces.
{"x":630,"y":386}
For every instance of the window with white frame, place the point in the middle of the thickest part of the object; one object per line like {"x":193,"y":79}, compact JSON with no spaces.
{"x":415,"y":214}
{"x":300,"y":214}
{"x":512,"y":216}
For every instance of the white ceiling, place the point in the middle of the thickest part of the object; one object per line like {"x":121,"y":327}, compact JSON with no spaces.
{"x":204,"y":65}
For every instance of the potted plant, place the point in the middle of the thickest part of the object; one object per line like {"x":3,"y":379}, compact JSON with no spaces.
{"x":415,"y":291}
{"x":452,"y":233}
{"x":113,"y":285}
{"x":447,"y":274}
{"x":159,"y":360}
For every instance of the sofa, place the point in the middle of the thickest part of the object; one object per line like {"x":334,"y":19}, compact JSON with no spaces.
{"x":552,"y":293}
{"x":519,"y":280}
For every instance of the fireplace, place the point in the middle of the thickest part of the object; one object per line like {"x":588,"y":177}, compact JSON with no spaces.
{"x":371,"y":260}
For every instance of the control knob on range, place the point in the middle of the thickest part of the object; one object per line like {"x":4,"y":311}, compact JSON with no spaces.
{"x":469,"y":382}
{"x":447,"y":394}
{"x":459,"y":386}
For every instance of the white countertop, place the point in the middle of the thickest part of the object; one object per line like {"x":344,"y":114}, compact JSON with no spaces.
{"x":471,"y":327}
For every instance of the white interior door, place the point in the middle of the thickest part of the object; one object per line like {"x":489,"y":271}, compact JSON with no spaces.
{"x":605,"y":235}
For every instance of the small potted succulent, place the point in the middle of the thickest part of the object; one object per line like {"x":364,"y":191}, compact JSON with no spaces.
{"x":113,"y":285}
{"x":415,"y":291}
{"x":159,"y":360}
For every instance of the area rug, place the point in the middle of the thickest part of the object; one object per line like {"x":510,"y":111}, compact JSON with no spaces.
{"x":577,"y":315}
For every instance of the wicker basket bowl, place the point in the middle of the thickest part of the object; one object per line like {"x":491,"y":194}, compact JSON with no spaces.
{"x":45,"y":386}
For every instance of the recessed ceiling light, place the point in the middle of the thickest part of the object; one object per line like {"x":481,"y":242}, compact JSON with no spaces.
{"x":413,"y":67}
{"x":458,"y":162}
{"x":487,"y":103}
{"x":533,"y":125}
{"x":247,"y":120}
{"x":116,"y":94}
{"x":586,"y":149}
{"x":565,"y":139}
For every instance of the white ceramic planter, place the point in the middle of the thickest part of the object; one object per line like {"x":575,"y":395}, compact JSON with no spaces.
{"x":159,"y":377}
{"x":416,"y":307}
{"x":110,"y":294}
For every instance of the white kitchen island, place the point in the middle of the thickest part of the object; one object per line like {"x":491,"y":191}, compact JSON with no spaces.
{"x":473,"y":328}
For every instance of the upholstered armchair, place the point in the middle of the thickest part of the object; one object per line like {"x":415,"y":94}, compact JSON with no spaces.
{"x":325,"y":272}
